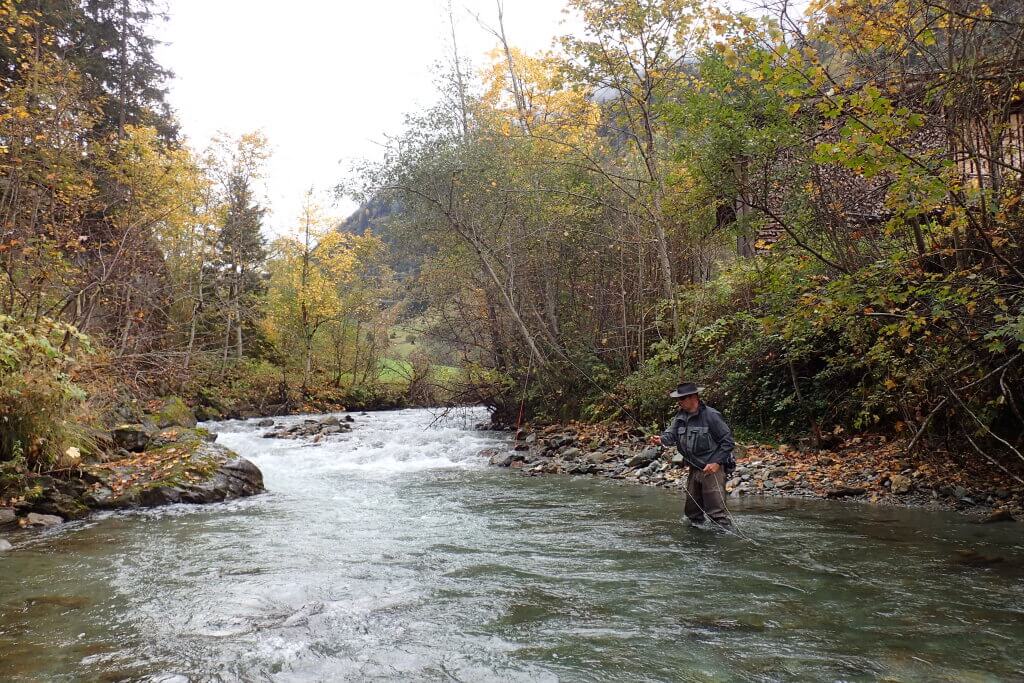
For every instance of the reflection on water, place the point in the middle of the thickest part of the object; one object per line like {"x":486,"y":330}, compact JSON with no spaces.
{"x":393,"y":552}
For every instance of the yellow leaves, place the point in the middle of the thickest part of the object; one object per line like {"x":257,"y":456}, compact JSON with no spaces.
{"x":889,"y":383}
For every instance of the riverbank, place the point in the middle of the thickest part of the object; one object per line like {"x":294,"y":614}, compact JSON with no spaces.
{"x":872,"y":469}
{"x":156,"y":457}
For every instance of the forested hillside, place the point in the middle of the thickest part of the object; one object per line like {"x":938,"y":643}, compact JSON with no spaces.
{"x":816,"y":216}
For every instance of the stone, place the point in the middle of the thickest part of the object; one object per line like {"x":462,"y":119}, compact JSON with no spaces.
{"x":678,"y":460}
{"x":5,"y":545}
{"x":57,"y":503}
{"x":900,"y":484}
{"x":132,"y":437}
{"x":644,"y":457}
{"x":521,"y":447}
{"x":331,"y":429}
{"x":349,"y":418}
{"x":202,"y":472}
{"x":564,"y":440}
{"x":1001,"y":494}
{"x":331,"y":421}
{"x":265,"y":423}
{"x":571,"y":453}
{"x":37,"y":521}
{"x":7,"y":517}
{"x":959,"y":492}
{"x":206,"y":413}
{"x":734,"y":482}
{"x":174,"y":413}
{"x":501,"y":459}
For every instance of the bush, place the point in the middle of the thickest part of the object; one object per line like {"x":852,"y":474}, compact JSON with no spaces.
{"x":37,"y":396}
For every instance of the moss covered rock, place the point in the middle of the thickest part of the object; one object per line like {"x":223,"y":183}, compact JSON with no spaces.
{"x":172,"y":412}
{"x":183,"y":466}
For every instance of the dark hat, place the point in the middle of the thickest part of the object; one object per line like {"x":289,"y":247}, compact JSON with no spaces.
{"x":685,"y":389}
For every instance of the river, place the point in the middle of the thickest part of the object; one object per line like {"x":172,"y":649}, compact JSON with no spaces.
{"x":395,"y":553}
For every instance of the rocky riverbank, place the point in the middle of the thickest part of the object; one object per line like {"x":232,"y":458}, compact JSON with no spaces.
{"x":158,"y":459}
{"x":870,"y":469}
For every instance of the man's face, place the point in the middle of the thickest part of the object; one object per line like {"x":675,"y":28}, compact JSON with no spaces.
{"x":689,"y":404}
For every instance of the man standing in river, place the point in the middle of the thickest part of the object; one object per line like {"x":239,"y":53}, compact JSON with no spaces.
{"x":705,"y":441}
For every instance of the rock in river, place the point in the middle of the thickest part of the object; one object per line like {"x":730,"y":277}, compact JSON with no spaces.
{"x":187,"y":470}
{"x":5,"y":545}
{"x":38,"y":521}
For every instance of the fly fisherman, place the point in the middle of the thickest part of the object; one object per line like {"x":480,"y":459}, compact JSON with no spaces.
{"x":704,"y":440}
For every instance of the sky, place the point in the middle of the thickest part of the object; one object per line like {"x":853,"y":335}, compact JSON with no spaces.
{"x":325,"y":80}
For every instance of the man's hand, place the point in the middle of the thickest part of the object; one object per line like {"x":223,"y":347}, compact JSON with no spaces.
{"x":711,"y":468}
{"x":654,"y":441}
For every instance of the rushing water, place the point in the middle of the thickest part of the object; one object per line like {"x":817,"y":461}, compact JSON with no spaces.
{"x":394,"y":553}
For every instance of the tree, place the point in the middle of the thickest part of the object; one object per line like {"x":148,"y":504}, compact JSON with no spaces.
{"x":240,"y":247}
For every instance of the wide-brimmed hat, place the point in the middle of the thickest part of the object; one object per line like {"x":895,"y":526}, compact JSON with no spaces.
{"x":685,"y":389}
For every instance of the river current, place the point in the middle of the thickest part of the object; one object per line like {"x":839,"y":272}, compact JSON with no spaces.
{"x":395,"y":553}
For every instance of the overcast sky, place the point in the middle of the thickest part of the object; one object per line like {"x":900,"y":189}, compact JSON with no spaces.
{"x":325,"y":80}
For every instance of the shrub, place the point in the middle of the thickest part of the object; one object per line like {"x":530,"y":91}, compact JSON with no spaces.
{"x":37,"y":395}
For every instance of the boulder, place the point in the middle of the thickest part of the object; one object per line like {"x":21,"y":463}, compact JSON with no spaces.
{"x":191,"y":470}
{"x":501,"y":459}
{"x":265,"y":423}
{"x":134,"y":438}
{"x":331,"y":421}
{"x":56,"y":503}
{"x":5,"y":545}
{"x":174,"y":413}
{"x":206,"y":413}
{"x":644,"y":457}
{"x":35,"y":520}
{"x":7,"y":517}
